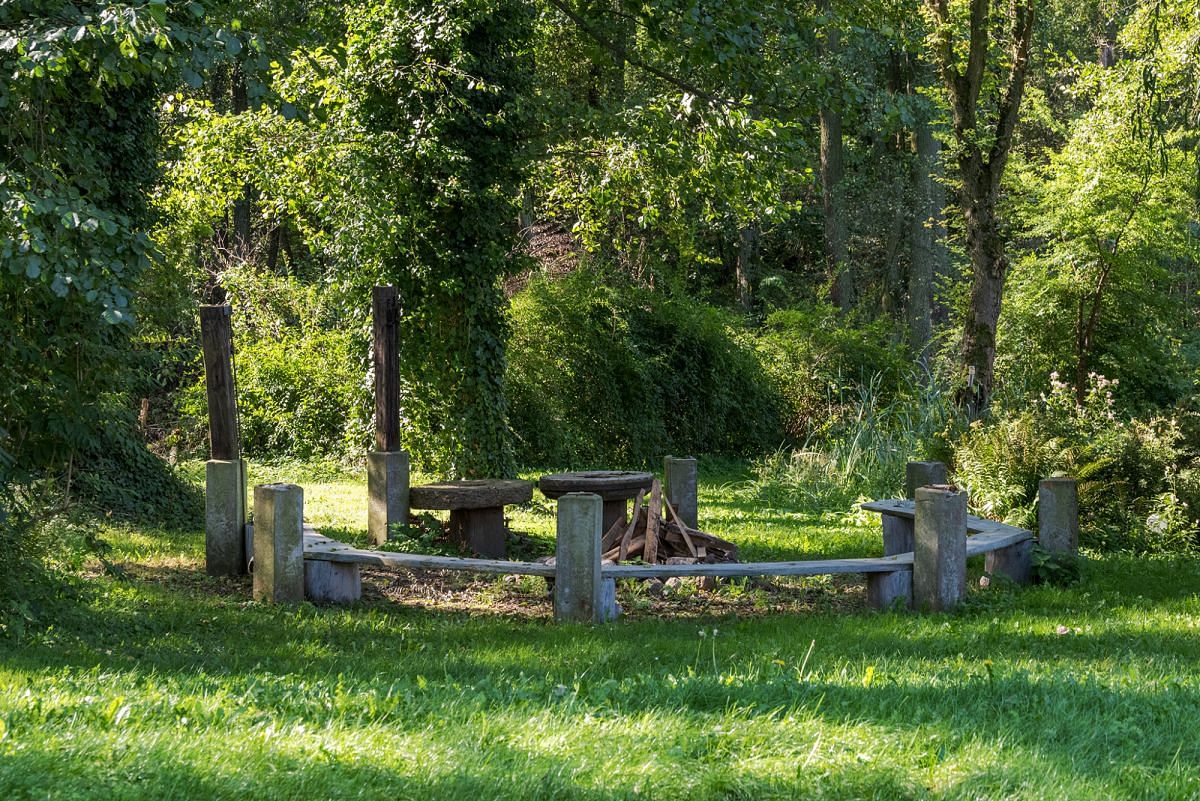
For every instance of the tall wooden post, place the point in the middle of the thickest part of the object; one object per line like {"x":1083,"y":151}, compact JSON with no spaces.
{"x":387,"y":466}
{"x":225,"y":472}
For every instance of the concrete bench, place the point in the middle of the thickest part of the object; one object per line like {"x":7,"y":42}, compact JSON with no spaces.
{"x":476,"y":509}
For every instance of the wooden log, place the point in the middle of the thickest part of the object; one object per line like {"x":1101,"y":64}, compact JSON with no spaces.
{"x":325,"y":549}
{"x":683,"y":529}
{"x":216,"y":336}
{"x":385,"y":318}
{"x":824,"y":567}
{"x":612,"y":537}
{"x":653,"y":517}
{"x":637,"y":515}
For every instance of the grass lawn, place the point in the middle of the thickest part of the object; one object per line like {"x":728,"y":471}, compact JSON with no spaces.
{"x":173,"y":685}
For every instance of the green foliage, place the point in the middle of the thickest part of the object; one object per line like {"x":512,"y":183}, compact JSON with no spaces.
{"x":1057,"y":569}
{"x":862,"y":452}
{"x":606,"y":374}
{"x":823,"y":363}
{"x":300,"y":363}
{"x":1126,"y":468}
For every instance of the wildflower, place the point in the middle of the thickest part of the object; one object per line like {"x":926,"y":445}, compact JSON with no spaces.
{"x":984,"y":582}
{"x":1061,"y":630}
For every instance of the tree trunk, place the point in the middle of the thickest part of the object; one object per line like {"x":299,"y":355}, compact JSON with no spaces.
{"x":744,"y":268}
{"x":837,"y":240}
{"x":927,"y":255}
{"x":985,"y":246}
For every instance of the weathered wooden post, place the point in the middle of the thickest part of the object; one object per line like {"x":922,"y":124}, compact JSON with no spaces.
{"x":1014,"y":561}
{"x":387,"y":465}
{"x":1058,"y":514}
{"x":580,"y":594}
{"x":940,"y":557}
{"x":279,"y":543}
{"x":680,"y":478}
{"x":885,"y":590}
{"x":922,"y":474}
{"x":225,"y":472}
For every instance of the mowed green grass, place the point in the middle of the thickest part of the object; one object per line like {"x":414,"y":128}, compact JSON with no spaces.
{"x":174,"y":685}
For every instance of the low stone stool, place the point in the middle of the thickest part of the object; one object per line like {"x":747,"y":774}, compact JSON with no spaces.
{"x":615,"y":488}
{"x":476,"y":509}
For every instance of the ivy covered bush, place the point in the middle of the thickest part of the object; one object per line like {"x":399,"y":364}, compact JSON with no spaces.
{"x":608,"y":374}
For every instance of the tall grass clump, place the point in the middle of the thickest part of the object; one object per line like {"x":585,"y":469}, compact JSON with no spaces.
{"x":862,"y":451}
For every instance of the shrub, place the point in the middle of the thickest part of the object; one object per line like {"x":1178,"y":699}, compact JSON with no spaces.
{"x":822,"y":365}
{"x":1129,"y":470}
{"x":618,"y":375}
{"x":862,"y":452}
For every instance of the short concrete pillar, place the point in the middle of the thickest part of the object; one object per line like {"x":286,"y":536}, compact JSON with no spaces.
{"x":1058,"y":515}
{"x":279,"y":543}
{"x":680,"y":481}
{"x":940,"y":558}
{"x":1014,"y":562}
{"x":885,"y":590}
{"x":578,"y":590}
{"x":225,"y":517}
{"x":332,"y":582}
{"x":387,"y":492}
{"x":922,"y":474}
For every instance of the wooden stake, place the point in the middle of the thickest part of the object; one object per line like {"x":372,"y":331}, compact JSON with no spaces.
{"x":637,"y":512}
{"x":216,"y":335}
{"x":652,"y":521}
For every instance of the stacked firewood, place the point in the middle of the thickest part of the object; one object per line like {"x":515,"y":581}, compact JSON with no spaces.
{"x":656,"y":535}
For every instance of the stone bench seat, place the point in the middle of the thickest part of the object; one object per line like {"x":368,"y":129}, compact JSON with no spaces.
{"x":476,"y":509}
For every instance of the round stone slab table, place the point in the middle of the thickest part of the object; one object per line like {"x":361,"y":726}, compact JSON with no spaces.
{"x":476,"y":509}
{"x":615,"y":488}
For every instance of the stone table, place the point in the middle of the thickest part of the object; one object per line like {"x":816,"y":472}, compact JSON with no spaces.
{"x":476,"y":509}
{"x":615,"y":488}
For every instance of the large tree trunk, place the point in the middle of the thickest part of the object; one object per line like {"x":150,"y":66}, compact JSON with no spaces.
{"x":927,"y":259}
{"x":985,"y":246}
{"x":744,"y":268}
{"x":837,"y":238}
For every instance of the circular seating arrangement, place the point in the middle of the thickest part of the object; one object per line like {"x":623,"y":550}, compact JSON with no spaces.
{"x":476,"y":509}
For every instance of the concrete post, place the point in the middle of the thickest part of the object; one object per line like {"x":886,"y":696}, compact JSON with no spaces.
{"x":1058,"y":514}
{"x":922,"y":474}
{"x":387,"y":492}
{"x":225,"y":517}
{"x":279,"y":543}
{"x":940,"y":559}
{"x":680,"y":480}
{"x":578,"y":590}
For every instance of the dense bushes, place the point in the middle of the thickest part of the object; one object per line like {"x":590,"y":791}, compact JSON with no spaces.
{"x":602,"y":373}
{"x":1137,"y":477}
